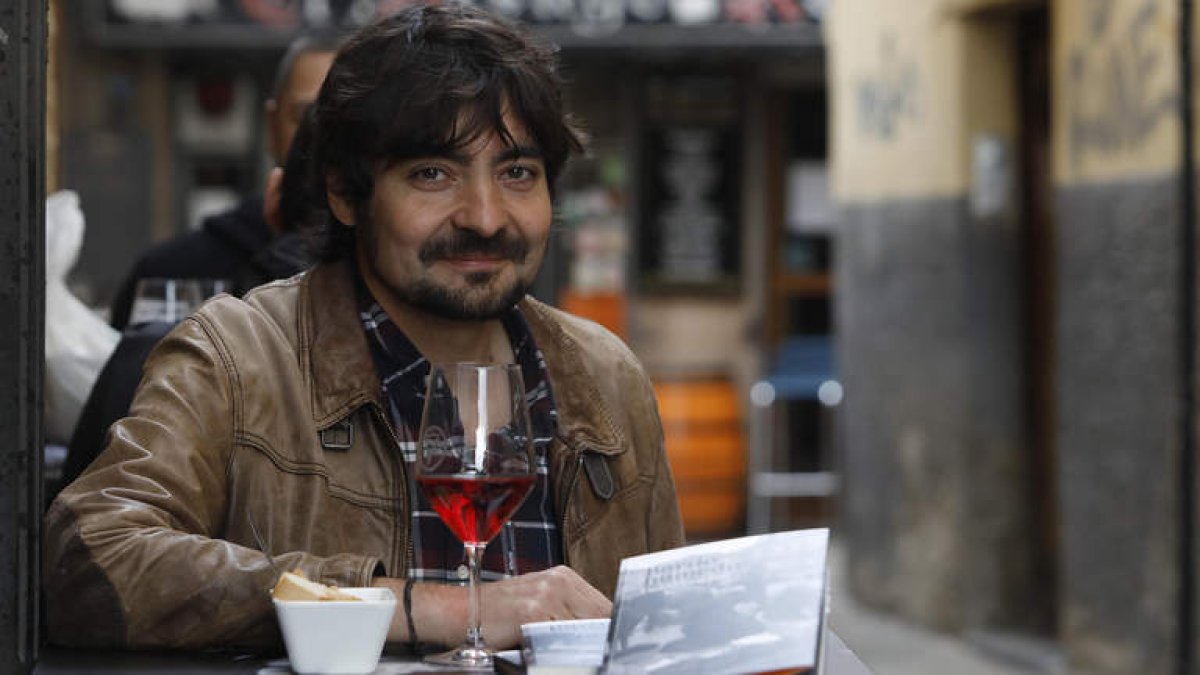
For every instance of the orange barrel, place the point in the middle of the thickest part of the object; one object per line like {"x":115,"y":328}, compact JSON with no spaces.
{"x":707,"y":452}
{"x":606,"y":309}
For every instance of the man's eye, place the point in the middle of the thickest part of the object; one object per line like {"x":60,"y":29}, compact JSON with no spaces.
{"x":428,"y":173}
{"x":520,"y":172}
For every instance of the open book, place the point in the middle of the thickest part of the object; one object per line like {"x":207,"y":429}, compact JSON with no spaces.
{"x":752,"y":604}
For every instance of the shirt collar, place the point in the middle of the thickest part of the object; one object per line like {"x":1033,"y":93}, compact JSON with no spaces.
{"x":403,"y":370}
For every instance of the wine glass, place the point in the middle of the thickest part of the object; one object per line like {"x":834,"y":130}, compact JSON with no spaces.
{"x":163,"y":300}
{"x":475,"y":465}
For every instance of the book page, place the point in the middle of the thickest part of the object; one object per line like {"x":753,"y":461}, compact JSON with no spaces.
{"x":744,"y":605}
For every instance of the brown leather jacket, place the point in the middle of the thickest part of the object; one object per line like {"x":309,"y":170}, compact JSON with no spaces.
{"x":270,"y":406}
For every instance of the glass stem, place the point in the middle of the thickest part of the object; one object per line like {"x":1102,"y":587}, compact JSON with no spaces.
{"x":475,"y":599}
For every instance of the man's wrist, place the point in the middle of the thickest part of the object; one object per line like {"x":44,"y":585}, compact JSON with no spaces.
{"x":438,"y":612}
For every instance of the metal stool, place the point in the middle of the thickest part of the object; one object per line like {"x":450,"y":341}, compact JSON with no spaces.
{"x":801,"y":370}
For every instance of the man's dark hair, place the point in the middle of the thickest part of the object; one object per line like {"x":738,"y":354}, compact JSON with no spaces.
{"x":300,"y":210}
{"x":426,"y":80}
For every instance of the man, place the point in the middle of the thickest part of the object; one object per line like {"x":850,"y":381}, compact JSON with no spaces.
{"x":440,"y":132}
{"x":232,"y":245}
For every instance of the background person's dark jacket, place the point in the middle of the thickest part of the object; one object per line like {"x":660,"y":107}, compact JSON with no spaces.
{"x":285,"y":256}
{"x":225,"y":247}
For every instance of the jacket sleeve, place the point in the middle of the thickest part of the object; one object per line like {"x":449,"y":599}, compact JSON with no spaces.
{"x":133,"y":550}
{"x":664,"y":525}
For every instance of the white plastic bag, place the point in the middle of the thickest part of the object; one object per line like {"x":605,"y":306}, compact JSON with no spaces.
{"x":78,"y":342}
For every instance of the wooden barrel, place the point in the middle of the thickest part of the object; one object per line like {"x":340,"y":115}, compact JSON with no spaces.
{"x":606,"y":309}
{"x":707,"y":452}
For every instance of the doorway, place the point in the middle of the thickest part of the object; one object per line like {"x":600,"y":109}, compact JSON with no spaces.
{"x":794,"y":470}
{"x":1037,"y":240}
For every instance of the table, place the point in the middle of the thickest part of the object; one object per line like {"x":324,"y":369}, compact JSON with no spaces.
{"x":839,"y":660}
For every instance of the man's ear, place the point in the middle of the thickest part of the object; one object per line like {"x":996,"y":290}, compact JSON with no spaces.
{"x":272,"y":196}
{"x":342,"y":209}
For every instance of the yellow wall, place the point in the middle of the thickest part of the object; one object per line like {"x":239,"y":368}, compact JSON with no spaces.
{"x":890,"y":63}
{"x":1115,"y":89}
{"x":987,"y":90}
{"x":913,"y":84}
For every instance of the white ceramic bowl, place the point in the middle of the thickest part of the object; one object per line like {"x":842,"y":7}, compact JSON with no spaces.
{"x":337,"y":637}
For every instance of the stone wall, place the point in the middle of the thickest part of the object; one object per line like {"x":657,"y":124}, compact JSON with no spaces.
{"x":929,"y":317}
{"x":933,"y":430}
{"x":1118,"y":432}
{"x":1117,"y":154}
{"x":938,"y":509}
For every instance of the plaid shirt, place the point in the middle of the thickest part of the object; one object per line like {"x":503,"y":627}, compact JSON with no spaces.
{"x":530,"y":540}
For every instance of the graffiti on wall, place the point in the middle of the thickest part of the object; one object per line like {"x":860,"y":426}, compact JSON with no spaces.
{"x":888,"y":98}
{"x":1117,"y":96}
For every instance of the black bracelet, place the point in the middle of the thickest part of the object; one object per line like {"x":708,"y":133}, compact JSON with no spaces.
{"x":412,"y":627}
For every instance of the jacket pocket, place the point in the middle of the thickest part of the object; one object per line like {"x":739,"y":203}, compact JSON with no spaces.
{"x":606,"y":484}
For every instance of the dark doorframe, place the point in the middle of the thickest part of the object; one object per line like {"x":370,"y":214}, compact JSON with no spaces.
{"x":1187,"y":636}
{"x":1038,"y":258}
{"x":22,"y":280}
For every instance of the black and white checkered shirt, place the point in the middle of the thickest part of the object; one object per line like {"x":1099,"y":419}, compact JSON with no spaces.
{"x":530,"y":541}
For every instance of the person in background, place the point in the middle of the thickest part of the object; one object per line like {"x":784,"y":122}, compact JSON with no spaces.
{"x":294,"y":211}
{"x":440,"y":132}
{"x":227,"y":246}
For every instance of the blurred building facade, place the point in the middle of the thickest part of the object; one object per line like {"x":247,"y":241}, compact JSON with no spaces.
{"x":1014,"y":322}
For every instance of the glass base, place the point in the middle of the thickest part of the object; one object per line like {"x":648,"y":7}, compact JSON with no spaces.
{"x":464,"y":657}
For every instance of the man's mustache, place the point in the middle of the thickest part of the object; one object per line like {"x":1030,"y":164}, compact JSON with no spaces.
{"x":465,"y":243}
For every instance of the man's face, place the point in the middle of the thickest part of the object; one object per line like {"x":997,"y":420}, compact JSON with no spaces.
{"x":459,"y":235}
{"x":285,"y":113}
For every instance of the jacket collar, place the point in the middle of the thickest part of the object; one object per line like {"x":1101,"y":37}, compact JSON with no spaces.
{"x":333,"y":345}
{"x":334,"y":348}
{"x":584,"y":416}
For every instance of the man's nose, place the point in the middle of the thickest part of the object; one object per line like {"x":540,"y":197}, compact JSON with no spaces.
{"x":483,"y":209}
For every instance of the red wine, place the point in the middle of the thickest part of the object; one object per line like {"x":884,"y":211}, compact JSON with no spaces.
{"x":472,"y":506}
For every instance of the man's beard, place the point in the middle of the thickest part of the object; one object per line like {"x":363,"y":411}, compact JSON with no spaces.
{"x":479,"y":300}
{"x":475,"y":303}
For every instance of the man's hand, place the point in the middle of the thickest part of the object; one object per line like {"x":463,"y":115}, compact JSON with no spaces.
{"x":440,"y":612}
{"x":555,"y":594}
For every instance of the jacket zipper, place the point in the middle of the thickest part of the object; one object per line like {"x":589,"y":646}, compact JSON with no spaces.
{"x":562,"y":514}
{"x":406,"y":501}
